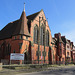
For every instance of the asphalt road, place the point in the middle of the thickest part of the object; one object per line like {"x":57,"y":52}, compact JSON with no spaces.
{"x":62,"y":71}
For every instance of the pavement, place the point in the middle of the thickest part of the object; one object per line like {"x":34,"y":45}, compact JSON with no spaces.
{"x":59,"y":70}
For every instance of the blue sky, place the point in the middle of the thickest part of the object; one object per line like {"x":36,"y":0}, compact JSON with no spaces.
{"x":60,"y":14}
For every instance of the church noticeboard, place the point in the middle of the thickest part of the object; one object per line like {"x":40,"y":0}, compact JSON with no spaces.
{"x":16,"y":56}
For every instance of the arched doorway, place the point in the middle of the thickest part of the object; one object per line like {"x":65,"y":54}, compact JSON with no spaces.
{"x":25,"y":58}
{"x":50,"y":55}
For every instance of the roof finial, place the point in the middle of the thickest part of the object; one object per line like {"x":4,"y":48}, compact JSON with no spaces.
{"x":24,"y":7}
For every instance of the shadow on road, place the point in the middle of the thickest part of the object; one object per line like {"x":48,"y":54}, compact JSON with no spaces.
{"x":63,"y":71}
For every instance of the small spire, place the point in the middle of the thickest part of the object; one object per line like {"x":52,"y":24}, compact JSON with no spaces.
{"x":24,"y":7}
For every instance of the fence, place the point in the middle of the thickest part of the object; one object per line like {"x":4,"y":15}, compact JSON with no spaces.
{"x":6,"y":62}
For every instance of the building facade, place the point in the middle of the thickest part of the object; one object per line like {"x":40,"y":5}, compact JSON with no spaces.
{"x":64,"y":49}
{"x":29,"y":35}
{"x":60,"y":50}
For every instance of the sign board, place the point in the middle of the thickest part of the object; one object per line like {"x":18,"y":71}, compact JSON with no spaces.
{"x":16,"y":56}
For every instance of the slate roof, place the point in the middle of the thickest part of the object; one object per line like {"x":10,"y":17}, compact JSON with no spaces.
{"x":54,"y":41}
{"x":64,"y":40}
{"x":60,"y":40}
{"x":17,"y":27}
{"x":22,"y":27}
{"x":8,"y":30}
{"x":32,"y":17}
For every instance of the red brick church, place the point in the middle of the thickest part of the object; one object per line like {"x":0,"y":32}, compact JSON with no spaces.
{"x":29,"y":35}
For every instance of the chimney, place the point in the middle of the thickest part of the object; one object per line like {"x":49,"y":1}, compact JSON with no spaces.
{"x":57,"y":35}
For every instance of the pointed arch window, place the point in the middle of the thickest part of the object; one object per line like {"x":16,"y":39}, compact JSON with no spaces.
{"x":9,"y":49}
{"x":0,"y":49}
{"x":47,"y":38}
{"x":6,"y":50}
{"x":14,"y":51}
{"x":36,"y":34}
{"x":42,"y":35}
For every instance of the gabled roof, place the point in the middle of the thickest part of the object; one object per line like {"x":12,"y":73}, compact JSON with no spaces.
{"x":32,"y":17}
{"x":17,"y":27}
{"x":60,"y":40}
{"x":64,"y":40}
{"x":54,"y":41}
{"x":8,"y":30}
